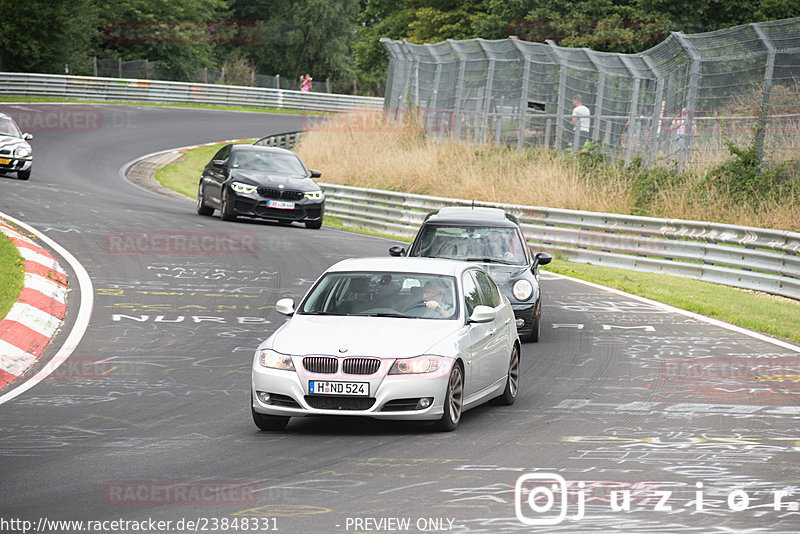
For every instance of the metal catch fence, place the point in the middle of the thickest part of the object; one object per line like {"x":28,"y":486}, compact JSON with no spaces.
{"x":678,"y":101}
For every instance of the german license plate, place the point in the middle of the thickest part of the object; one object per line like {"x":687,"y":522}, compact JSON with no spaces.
{"x":4,"y":161}
{"x":322,"y":387}
{"x":281,"y":205}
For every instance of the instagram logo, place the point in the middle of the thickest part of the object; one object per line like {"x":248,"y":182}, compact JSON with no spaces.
{"x":541,"y":499}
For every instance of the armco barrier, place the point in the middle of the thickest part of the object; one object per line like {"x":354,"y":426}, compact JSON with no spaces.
{"x":738,"y":256}
{"x":128,"y":90}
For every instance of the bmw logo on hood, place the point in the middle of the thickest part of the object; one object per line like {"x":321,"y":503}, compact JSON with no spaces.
{"x":343,"y":350}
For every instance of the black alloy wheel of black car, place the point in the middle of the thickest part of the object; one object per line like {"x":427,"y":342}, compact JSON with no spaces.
{"x":314,"y":225}
{"x":202,"y":209}
{"x":453,"y":401}
{"x":226,"y":212}
{"x":24,"y":175}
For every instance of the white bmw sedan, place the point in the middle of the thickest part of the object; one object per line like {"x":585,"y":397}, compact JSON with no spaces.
{"x":389,"y":338}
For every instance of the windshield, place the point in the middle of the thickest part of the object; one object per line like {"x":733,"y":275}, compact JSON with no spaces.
{"x":8,"y":127}
{"x":486,"y":244}
{"x":271,"y":163}
{"x":383,"y":294}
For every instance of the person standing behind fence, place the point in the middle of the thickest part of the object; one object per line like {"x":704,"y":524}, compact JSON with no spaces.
{"x":581,"y":119}
{"x":305,"y":83}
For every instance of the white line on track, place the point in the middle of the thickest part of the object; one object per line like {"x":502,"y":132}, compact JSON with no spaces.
{"x":667,"y":307}
{"x":81,"y":320}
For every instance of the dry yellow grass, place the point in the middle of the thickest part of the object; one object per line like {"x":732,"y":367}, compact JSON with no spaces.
{"x":372,"y":151}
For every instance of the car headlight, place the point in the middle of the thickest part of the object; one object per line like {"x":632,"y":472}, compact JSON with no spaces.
{"x":417,"y":365}
{"x":22,"y":152}
{"x":522,"y":289}
{"x":313,"y":195}
{"x":275,"y":360}
{"x":239,"y":187}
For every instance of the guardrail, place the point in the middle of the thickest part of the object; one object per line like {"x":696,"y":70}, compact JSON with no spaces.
{"x":130,"y":90}
{"x":739,"y":256}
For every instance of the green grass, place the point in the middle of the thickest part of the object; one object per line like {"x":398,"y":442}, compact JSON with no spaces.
{"x":12,"y":270}
{"x":755,"y":311}
{"x":260,"y":109}
{"x":763,"y":313}
{"x":184,"y":175}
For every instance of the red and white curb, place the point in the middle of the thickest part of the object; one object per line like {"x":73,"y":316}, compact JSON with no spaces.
{"x":34,"y":319}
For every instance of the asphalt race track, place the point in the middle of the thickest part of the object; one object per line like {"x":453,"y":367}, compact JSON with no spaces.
{"x":149,"y":418}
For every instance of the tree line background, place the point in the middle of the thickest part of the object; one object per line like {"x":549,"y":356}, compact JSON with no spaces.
{"x":336,"y":40}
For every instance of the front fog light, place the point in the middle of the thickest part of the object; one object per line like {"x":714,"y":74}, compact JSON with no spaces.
{"x":520,"y":323}
{"x":424,"y":402}
{"x":263,"y":396}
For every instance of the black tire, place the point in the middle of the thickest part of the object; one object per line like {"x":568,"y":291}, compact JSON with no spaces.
{"x":314,"y":225}
{"x":269,"y":422}
{"x":24,"y":175}
{"x":512,"y":383}
{"x":226,"y":212}
{"x":453,"y":402}
{"x":202,"y":209}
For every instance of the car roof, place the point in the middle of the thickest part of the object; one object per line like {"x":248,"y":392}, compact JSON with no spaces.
{"x":471,"y":216}
{"x":259,"y":148}
{"x":436,"y":266}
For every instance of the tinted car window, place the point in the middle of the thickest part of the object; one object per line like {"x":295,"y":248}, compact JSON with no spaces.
{"x":286,"y":164}
{"x":223,"y":153}
{"x":374,"y":293}
{"x":472,"y":295}
{"x":474,"y":243}
{"x":9,"y":127}
{"x":491,"y":295}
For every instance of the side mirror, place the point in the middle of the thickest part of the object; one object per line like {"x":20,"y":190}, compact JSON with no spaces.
{"x":541,"y":258}
{"x":397,"y":250}
{"x":285,"y":307}
{"x":482,"y":314}
{"x":27,"y":136}
{"x":218,"y":162}
{"x":315,"y":174}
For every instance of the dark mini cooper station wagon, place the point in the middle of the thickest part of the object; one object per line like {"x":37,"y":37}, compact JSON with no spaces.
{"x":261,"y":182}
{"x":493,"y":239}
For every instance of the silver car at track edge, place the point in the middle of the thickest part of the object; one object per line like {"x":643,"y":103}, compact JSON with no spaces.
{"x":389,"y":338}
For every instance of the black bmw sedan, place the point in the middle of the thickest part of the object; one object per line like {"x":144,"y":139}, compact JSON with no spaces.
{"x":493,"y":239}
{"x":260,"y":182}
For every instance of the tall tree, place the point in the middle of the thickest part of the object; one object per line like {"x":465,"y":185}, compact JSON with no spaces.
{"x":297,"y":37}
{"x":180,"y":35}
{"x":45,"y":36}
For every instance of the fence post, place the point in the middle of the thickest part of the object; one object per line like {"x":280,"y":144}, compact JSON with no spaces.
{"x":562,"y":92}
{"x":462,"y":67}
{"x":94,"y":65}
{"x":119,"y":66}
{"x":634,"y":108}
{"x":691,"y":99}
{"x":655,"y":128}
{"x":481,"y":134}
{"x":761,"y":126}
{"x":277,"y":81}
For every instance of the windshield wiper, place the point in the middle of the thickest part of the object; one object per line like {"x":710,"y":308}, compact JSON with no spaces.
{"x":488,"y":260}
{"x":383,"y":314}
{"x":320,"y":313}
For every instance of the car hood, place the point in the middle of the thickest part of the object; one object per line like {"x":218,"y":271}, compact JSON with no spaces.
{"x":301,"y":183}
{"x":384,"y":337}
{"x":8,"y":142}
{"x":502,"y":274}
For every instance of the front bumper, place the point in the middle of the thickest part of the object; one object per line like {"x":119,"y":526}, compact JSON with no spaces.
{"x":526,"y":314}
{"x":255,"y":206}
{"x":14,"y":164}
{"x":390,"y":396}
